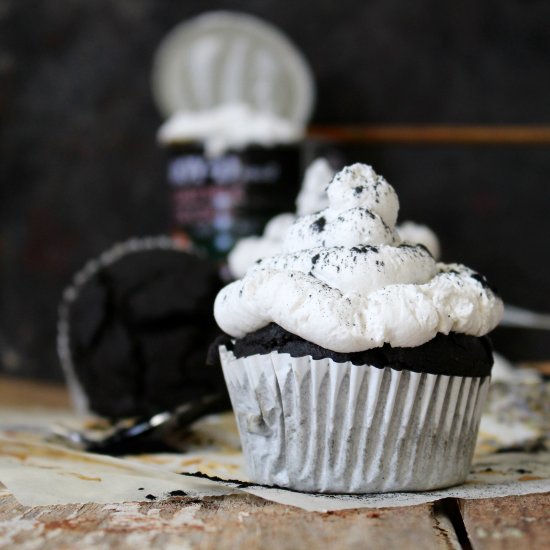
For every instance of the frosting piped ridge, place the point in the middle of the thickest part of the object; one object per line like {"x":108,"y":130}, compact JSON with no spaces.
{"x":346,"y":281}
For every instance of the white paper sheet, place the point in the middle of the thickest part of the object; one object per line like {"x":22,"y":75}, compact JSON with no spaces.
{"x":41,"y":474}
{"x":507,"y":475}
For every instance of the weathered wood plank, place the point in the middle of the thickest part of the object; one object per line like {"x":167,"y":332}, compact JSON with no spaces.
{"x":455,"y":134}
{"x":31,"y":393}
{"x":250,"y":522}
{"x":514,"y":523}
{"x":216,"y":523}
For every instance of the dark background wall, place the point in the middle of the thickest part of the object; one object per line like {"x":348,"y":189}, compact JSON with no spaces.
{"x":80,"y":169}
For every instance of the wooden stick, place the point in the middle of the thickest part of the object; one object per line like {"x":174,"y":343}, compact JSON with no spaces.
{"x":449,"y":134}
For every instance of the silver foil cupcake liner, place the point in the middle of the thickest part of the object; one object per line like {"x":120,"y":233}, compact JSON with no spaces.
{"x":320,"y":426}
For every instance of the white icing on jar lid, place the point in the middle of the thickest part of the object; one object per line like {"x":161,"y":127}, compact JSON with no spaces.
{"x":229,"y":126}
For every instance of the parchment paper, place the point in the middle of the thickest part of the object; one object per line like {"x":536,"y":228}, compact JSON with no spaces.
{"x":38,"y":473}
{"x":41,"y":474}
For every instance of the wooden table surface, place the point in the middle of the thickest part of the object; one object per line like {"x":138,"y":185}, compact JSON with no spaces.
{"x":245,"y":521}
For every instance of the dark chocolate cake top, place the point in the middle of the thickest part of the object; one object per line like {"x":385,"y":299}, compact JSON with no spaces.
{"x":451,"y":355}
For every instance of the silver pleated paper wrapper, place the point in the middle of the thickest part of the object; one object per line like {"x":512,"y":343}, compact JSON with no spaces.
{"x":320,"y":426}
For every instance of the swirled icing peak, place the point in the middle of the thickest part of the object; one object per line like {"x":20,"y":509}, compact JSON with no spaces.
{"x":362,"y":209}
{"x":360,"y":186}
{"x":346,"y":281}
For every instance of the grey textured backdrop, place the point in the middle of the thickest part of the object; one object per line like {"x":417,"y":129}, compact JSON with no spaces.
{"x":80,"y":168}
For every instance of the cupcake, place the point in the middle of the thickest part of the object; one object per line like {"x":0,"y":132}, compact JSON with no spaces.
{"x":134,"y":329}
{"x":355,"y":362}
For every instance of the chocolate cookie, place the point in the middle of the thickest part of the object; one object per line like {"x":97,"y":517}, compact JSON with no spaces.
{"x":135,"y":328}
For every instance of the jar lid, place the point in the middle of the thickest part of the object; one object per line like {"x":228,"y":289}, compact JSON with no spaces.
{"x":226,"y":57}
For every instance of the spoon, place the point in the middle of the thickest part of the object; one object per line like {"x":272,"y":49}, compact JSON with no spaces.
{"x":141,"y":435}
{"x":515,"y":316}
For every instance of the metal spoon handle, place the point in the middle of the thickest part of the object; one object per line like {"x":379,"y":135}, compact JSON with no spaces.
{"x":523,"y":318}
{"x":179,"y":418}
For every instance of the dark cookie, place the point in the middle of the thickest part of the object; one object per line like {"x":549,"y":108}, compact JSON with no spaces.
{"x":138,"y":330}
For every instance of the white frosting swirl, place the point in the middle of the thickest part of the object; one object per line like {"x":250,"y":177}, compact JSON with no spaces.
{"x":312,"y":198}
{"x":345,"y":280}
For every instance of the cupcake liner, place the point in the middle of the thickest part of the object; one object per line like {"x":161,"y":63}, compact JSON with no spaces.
{"x":320,"y":426}
{"x":108,"y":257}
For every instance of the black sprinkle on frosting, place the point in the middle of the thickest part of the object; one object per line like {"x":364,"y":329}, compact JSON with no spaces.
{"x":451,"y":355}
{"x":364,"y":248}
{"x":416,"y":247}
{"x":484,"y":282}
{"x":319,"y":224}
